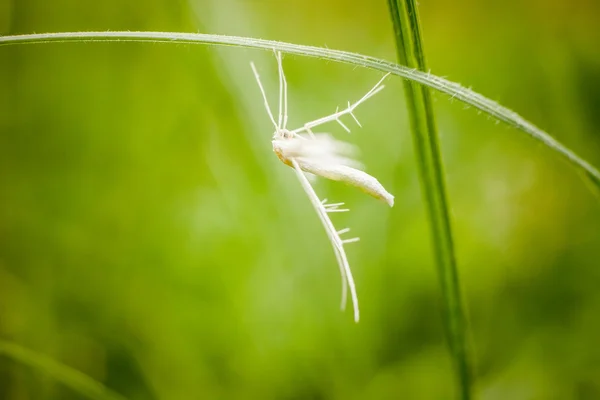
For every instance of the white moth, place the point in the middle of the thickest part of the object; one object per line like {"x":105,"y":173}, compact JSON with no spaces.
{"x":322,"y":155}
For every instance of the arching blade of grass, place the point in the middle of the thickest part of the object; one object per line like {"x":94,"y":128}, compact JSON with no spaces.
{"x":455,"y":90}
{"x":68,"y":376}
{"x":409,"y":46}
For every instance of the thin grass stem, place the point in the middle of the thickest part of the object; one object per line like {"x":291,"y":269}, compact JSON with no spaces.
{"x":409,"y":47}
{"x":455,"y":90}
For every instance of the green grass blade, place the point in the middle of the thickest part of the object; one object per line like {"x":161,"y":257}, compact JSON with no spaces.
{"x":455,"y":90}
{"x":68,"y":376}
{"x":409,"y":46}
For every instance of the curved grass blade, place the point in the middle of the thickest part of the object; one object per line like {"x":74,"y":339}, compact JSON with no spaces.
{"x":409,"y":47}
{"x":455,"y":90}
{"x":68,"y":376}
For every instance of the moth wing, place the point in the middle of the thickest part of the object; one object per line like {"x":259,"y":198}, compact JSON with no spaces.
{"x":350,"y":176}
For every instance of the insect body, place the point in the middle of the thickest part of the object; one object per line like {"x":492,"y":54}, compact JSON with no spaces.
{"x":334,"y":168}
{"x":322,"y":155}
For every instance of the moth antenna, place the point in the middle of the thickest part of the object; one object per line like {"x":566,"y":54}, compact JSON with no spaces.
{"x":283,"y":94}
{"x":280,"y":73}
{"x":334,"y":237}
{"x":264,"y":95}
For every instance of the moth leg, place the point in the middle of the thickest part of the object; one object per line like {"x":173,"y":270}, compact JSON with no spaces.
{"x":283,"y":94}
{"x":347,"y":111}
{"x":334,"y":238}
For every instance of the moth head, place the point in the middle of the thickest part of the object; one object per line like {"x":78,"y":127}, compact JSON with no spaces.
{"x":282,"y":133}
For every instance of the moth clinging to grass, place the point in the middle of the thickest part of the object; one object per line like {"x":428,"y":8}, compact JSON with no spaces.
{"x":322,"y":155}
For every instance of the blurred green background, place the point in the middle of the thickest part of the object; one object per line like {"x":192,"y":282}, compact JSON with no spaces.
{"x":150,"y":238}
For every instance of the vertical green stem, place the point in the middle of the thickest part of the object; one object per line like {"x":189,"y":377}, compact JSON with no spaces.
{"x":409,"y":47}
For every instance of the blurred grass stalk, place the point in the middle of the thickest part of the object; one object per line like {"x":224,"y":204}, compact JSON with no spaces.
{"x":409,"y":47}
{"x":77,"y":381}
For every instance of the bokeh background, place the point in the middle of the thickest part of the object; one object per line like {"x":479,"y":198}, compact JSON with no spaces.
{"x":150,"y":239}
